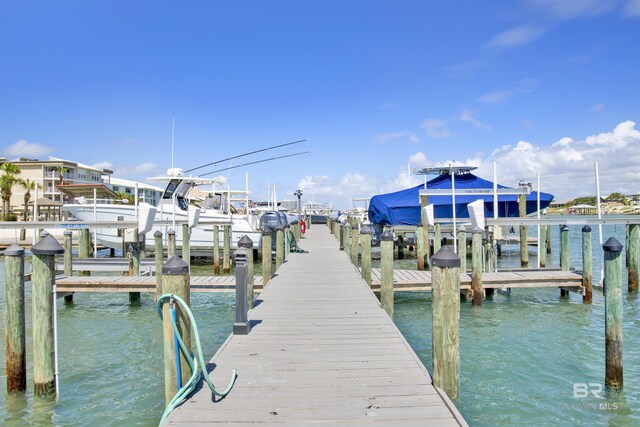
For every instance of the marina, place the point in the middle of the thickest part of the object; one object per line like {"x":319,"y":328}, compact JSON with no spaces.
{"x":404,"y":280}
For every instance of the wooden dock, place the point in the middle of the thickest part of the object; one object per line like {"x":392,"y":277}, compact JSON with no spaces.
{"x":413,"y":280}
{"x":321,"y":350}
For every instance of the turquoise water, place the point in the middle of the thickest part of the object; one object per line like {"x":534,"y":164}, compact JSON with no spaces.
{"x":520,"y":354}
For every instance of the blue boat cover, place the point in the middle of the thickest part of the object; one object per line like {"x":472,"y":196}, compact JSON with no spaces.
{"x":403,"y":207}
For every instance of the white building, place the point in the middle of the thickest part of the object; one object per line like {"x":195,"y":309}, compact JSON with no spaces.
{"x":146,"y":193}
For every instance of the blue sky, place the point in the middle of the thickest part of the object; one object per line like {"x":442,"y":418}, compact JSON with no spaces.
{"x":536,"y":86}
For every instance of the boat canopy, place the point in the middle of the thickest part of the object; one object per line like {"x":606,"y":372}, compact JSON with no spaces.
{"x":403,"y":207}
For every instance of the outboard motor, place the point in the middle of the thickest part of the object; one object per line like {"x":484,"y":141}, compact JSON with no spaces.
{"x":269,"y":221}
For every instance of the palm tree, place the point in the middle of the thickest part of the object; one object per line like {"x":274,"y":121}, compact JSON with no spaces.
{"x":125,"y":199}
{"x":61,"y":171}
{"x":29,"y":185}
{"x":8,"y":178}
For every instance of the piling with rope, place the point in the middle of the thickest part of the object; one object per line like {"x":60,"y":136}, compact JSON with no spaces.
{"x":175,"y":281}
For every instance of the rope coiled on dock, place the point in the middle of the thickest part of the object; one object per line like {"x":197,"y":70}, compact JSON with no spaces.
{"x":293,"y":245}
{"x":196,"y":364}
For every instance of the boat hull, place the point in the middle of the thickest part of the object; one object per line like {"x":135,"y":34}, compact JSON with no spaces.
{"x":201,"y":236}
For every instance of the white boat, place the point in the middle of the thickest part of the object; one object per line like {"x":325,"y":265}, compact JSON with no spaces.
{"x":174,"y":206}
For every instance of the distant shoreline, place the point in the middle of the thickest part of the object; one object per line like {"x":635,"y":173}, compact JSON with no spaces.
{"x":607,"y":209}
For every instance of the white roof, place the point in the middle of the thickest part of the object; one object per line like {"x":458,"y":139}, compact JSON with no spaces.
{"x":129,"y":183}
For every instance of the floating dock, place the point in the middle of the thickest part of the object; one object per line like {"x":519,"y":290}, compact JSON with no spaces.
{"x":321,"y":350}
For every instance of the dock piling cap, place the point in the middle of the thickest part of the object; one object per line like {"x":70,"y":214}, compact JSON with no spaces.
{"x":175,"y":266}
{"x":245,"y":242}
{"x":445,"y":257}
{"x":586,"y":229}
{"x":612,"y":245}
{"x":366,"y":229}
{"x":14,"y":250}
{"x":386,"y":236}
{"x":158,"y":233}
{"x":48,"y":245}
{"x":266,"y":231}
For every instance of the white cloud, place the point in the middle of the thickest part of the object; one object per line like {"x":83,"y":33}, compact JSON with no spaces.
{"x":389,"y":136}
{"x":570,"y":9}
{"x":567,"y":166}
{"x":23,"y":148}
{"x":134,"y":170}
{"x":515,"y":37}
{"x":103,"y":165}
{"x":419,"y":160}
{"x":466,"y":116}
{"x":500,"y":96}
{"x":436,"y":128}
{"x":466,"y":69}
{"x":632,"y":8}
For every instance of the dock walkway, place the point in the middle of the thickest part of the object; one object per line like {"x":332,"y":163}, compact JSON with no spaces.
{"x":321,"y":350}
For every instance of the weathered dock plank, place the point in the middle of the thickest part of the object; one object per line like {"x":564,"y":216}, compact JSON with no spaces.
{"x":321,"y":350}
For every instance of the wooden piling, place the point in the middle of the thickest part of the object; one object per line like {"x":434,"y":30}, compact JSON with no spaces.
{"x":542,"y":244}
{"x":15,"y":341}
{"x":365,"y":237}
{"x":171,"y":243}
{"x":548,"y":239}
{"x":425,"y":231}
{"x":158,"y":253}
{"x":68,"y":260}
{"x":400,"y":246}
{"x":355,"y":240}
{"x":216,"y":250}
{"x":437,"y":237}
{"x":587,"y":270}
{"x":287,"y":239}
{"x":266,"y":257}
{"x":84,"y":247}
{"x":476,"y":266}
{"x":632,"y":257}
{"x":226,"y":250}
{"x":386,"y":265}
{"x":524,"y":249}
{"x":446,"y":317}
{"x":341,"y":236}
{"x":462,"y":248}
{"x":420,"y":246}
{"x":613,"y":313}
{"x":564,"y":253}
{"x":246,"y":243}
{"x":347,"y":239}
{"x":175,"y":281}
{"x":43,"y":279}
{"x":279,"y":246}
{"x":68,"y":254}
{"x":135,"y":265}
{"x":186,"y":247}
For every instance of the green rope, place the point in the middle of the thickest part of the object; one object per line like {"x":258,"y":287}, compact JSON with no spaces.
{"x":197,"y":369}
{"x":293,"y":245}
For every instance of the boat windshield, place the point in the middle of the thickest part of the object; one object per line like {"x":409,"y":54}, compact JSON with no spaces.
{"x":177,"y":187}
{"x":213,"y":201}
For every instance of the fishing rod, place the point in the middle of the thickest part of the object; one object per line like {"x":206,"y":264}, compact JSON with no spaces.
{"x":243,"y":155}
{"x":253,"y":163}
